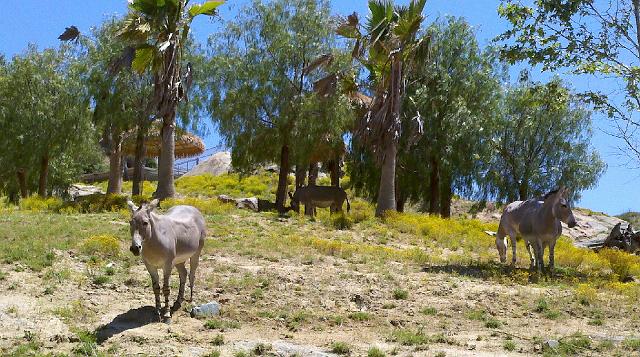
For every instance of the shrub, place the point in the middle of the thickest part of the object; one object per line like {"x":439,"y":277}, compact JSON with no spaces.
{"x":206,"y":206}
{"x":38,"y":204}
{"x":623,"y":264}
{"x":341,"y":221}
{"x":105,"y":246}
{"x":586,"y":294}
{"x":361,"y":210}
{"x":262,"y":186}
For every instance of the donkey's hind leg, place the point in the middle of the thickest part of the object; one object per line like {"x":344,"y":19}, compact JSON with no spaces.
{"x":193,"y":265}
{"x":531,"y":255}
{"x":182,"y":271}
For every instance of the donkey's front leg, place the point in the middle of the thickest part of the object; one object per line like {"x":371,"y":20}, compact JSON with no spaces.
{"x":155,"y":283}
{"x":166,"y":271}
{"x":552,"y":266}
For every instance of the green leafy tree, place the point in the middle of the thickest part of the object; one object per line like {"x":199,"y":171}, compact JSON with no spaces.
{"x":541,"y":141}
{"x":262,"y":98}
{"x":387,"y":46}
{"x":158,"y":32}
{"x":457,"y":93}
{"x":46,"y":125}
{"x":593,"y":38}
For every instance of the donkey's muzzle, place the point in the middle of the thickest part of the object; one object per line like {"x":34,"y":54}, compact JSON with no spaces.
{"x":135,"y":250}
{"x":572,"y":224}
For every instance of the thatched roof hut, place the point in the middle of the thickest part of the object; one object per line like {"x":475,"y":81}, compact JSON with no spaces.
{"x":187,"y":145}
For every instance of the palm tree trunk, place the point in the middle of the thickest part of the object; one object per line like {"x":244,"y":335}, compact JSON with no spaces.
{"x":138,"y":164}
{"x":44,"y":174}
{"x":386,"y":192}
{"x":114,"y":185}
{"x":22,"y":182}
{"x":281,"y":194}
{"x":167,"y":158}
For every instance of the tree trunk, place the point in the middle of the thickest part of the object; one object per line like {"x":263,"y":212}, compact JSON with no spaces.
{"x":335,"y":172}
{"x":434,"y":186}
{"x":281,"y":194}
{"x":386,"y":192}
{"x":138,"y":163}
{"x":22,"y":182}
{"x":313,"y":173}
{"x":523,"y":190}
{"x":167,"y":158}
{"x":445,"y":199}
{"x":301,"y":173}
{"x":636,"y":15}
{"x":44,"y":174}
{"x":400,"y":200}
{"x":114,"y":184}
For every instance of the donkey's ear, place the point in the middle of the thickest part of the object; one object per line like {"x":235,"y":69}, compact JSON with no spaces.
{"x":132,"y":206}
{"x":153,"y":205}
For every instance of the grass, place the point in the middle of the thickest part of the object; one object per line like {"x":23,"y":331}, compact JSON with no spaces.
{"x":509,"y":346}
{"x":429,"y":311}
{"x":375,"y":352}
{"x":360,"y":316}
{"x":219,"y":324}
{"x":400,"y":294}
{"x":340,"y":348}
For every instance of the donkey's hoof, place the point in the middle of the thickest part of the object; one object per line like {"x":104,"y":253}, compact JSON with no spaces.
{"x":176,"y":306}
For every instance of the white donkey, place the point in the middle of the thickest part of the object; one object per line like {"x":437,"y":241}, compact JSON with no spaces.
{"x":166,"y":241}
{"x":538,"y":222}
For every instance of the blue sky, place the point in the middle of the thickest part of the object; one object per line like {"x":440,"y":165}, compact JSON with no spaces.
{"x":40,"y":22}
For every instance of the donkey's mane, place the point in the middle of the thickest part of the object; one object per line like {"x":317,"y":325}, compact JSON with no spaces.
{"x":550,"y":193}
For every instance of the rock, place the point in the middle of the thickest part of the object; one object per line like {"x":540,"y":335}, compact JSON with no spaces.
{"x":216,"y":165}
{"x":209,"y":309}
{"x":226,"y":199}
{"x":78,"y":190}
{"x":551,"y":344}
{"x":247,"y":203}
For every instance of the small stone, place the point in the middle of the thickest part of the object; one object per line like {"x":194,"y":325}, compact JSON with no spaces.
{"x":209,"y":309}
{"x":552,"y":344}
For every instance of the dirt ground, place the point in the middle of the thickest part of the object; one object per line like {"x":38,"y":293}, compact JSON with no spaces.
{"x":302,"y":303}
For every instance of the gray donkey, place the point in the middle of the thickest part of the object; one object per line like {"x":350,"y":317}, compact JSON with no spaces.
{"x":538,"y":222}
{"x":319,"y":196}
{"x":166,"y":241}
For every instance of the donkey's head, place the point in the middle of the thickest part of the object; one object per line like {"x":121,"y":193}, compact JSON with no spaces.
{"x":140,"y":224}
{"x":501,"y":244}
{"x":295,"y":201}
{"x":560,"y":206}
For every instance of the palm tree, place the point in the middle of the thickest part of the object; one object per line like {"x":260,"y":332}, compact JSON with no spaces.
{"x":158,"y":32}
{"x":387,"y":46}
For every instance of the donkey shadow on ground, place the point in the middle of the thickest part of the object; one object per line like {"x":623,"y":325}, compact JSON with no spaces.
{"x":500,"y":272}
{"x":131,"y":319}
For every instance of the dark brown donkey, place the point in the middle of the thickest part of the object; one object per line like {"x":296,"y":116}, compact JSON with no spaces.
{"x":318,"y":196}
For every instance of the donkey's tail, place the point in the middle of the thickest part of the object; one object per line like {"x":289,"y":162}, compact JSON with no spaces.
{"x":348,"y":205}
